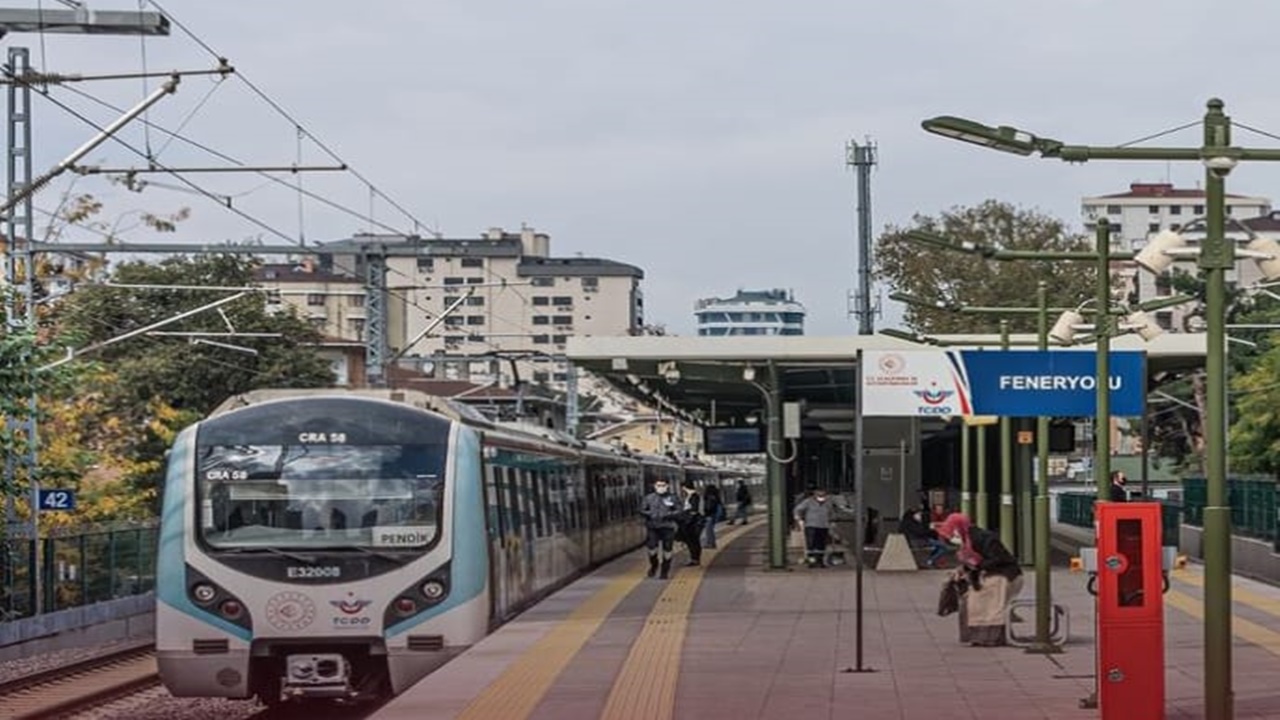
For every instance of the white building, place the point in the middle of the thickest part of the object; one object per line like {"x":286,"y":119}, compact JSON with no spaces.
{"x":1147,"y":208}
{"x":515,"y":298}
{"x":751,"y":312}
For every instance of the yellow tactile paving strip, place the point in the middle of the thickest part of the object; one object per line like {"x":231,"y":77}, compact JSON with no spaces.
{"x":646,"y":684}
{"x":1246,"y":629}
{"x":519,"y":689}
{"x":515,"y":693}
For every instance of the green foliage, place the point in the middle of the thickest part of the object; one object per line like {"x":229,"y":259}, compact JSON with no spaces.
{"x":956,"y":278}
{"x":162,"y":382}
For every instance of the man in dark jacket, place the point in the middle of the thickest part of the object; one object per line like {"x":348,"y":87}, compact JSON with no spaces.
{"x":918,"y":533}
{"x":1118,"y":491}
{"x":660,"y":510}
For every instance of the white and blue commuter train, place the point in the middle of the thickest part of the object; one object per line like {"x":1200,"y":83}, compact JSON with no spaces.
{"x":342,"y":544}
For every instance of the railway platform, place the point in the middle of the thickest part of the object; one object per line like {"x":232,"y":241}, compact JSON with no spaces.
{"x":733,"y":640}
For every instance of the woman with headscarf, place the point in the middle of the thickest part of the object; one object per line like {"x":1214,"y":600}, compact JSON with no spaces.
{"x":993,"y":575}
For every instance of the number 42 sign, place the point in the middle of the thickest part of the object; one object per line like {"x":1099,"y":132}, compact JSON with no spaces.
{"x":56,"y":500}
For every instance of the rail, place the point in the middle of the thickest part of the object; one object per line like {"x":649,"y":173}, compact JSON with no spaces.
{"x":80,"y":685}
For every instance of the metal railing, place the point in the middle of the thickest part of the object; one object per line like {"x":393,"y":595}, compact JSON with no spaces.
{"x":1077,"y":509}
{"x":78,"y":568}
{"x":1253,"y":501}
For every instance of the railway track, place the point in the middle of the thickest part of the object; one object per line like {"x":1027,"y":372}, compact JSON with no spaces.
{"x":81,"y":685}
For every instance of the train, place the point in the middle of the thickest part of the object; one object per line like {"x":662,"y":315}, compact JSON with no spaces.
{"x":341,"y":544}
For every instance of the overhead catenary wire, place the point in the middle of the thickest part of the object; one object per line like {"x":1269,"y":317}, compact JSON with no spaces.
{"x":373,"y":189}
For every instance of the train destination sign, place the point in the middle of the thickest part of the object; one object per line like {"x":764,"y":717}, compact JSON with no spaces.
{"x":1010,"y":383}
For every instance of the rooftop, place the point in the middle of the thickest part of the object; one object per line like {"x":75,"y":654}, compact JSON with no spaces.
{"x":1163,"y":191}
{"x":775,"y":296}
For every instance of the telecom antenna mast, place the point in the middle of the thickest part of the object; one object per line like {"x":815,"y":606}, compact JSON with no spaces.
{"x":863,"y":158}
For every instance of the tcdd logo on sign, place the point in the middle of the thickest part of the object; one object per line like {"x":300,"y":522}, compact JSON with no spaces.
{"x":55,"y":500}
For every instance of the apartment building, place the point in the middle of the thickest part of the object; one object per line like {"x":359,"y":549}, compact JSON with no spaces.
{"x":751,"y":312}
{"x":453,"y":303}
{"x":1148,"y":208}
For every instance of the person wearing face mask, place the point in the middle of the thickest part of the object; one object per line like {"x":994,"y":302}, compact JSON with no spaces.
{"x":813,"y":516}
{"x":992,"y":574}
{"x":660,"y":510}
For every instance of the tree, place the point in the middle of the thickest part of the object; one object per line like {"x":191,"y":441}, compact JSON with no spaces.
{"x":953,"y":277}
{"x":160,"y":383}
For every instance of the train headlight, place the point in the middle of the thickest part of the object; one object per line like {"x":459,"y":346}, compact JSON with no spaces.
{"x":405,"y":606}
{"x":204,"y":593}
{"x":231,"y":609}
{"x":433,"y":589}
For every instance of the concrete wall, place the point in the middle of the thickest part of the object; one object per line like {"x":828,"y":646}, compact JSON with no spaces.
{"x":1249,"y":557}
{"x":131,"y":617}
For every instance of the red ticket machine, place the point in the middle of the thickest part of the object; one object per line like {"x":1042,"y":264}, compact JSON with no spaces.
{"x":1130,"y":587}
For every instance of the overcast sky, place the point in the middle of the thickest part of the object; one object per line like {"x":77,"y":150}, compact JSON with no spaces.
{"x":702,"y":141}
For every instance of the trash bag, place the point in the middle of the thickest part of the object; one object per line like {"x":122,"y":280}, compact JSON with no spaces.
{"x":949,"y":597}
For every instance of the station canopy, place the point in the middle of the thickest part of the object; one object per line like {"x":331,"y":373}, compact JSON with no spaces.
{"x":724,"y":380}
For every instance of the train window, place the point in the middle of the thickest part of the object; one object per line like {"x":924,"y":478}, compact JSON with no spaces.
{"x":545,"y":497}
{"x":513,"y":506}
{"x":311,"y":496}
{"x":526,"y":508}
{"x":536,"y":478}
{"x":495,"y":504}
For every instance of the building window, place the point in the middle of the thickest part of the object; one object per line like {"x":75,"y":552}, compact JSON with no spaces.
{"x":1164,"y":319}
{"x":1153,"y":209}
{"x":562,"y":320}
{"x":475,"y":319}
{"x":559,"y":339}
{"x":1113,"y":209}
{"x":541,"y":319}
{"x":1164,"y":285}
{"x":1229,"y":208}
{"x":356,"y":301}
{"x":472,"y":262}
{"x":475,"y":280}
{"x":425,"y":264}
{"x":541,"y":339}
{"x":541,"y":376}
{"x":356,"y":327}
{"x":1197,"y":209}
{"x":542,"y":300}
{"x":543,"y":282}
{"x":562,"y":300}
{"x":315,"y":299}
{"x":1175,"y":210}
{"x":475,"y":300}
{"x":590,"y":283}
{"x":453,"y":281}
{"x":475,"y":338}
{"x":1153,"y":227}
{"x":318,"y":323}
{"x":560,"y":377}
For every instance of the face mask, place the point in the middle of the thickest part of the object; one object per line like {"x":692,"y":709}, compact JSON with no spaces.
{"x":821,"y":499}
{"x":957,"y":540}
{"x":660,"y":489}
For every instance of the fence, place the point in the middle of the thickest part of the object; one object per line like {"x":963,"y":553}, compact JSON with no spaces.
{"x":1253,"y":501}
{"x":77,"y":569}
{"x":1077,"y":509}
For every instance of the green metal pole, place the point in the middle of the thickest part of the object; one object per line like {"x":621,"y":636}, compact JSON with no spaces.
{"x":982,"y":477}
{"x":1216,"y":257}
{"x":966,"y":476}
{"x":1024,"y":485}
{"x":777,"y":480}
{"x":1008,"y":533}
{"x":1044,"y":599}
{"x":1102,"y":418}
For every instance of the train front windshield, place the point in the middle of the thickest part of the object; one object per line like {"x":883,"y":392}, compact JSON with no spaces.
{"x":320,"y":496}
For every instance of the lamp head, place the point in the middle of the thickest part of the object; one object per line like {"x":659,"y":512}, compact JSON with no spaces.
{"x":1155,"y":257}
{"x":1003,"y":138}
{"x":1268,"y":266}
{"x":1064,"y":330}
{"x":1141,"y":323}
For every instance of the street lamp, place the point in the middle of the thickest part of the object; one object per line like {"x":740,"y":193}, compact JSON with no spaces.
{"x":1216,"y":257}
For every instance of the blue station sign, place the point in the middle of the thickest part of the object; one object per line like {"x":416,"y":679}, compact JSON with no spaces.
{"x":1010,"y":383}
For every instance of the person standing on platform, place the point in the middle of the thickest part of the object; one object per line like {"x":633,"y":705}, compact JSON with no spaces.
{"x":691,"y":523}
{"x":660,"y":510}
{"x":992,"y":574}
{"x":713,"y":508}
{"x":813,"y":516}
{"x":1118,"y":491}
{"x":742,"y":496}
